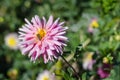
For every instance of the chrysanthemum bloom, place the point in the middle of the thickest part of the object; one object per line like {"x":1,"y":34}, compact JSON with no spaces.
{"x":46,"y":75}
{"x":88,"y":61}
{"x":44,"y":39}
{"x":11,"y":40}
{"x":104,"y":70}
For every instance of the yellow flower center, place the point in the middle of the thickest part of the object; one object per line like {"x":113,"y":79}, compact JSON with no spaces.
{"x":45,"y":78}
{"x":94,"y":24}
{"x":12,"y":41}
{"x":41,"y":33}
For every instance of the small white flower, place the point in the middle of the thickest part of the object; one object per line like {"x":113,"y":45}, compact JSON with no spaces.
{"x":11,"y":40}
{"x":46,"y":75}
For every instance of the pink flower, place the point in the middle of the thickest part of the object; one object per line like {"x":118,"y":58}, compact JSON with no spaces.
{"x":104,"y":70}
{"x":44,"y":39}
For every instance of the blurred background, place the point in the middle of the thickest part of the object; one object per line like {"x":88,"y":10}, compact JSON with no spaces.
{"x":94,"y":35}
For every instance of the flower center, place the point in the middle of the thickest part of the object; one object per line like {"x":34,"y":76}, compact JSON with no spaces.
{"x":94,"y":24}
{"x":45,"y":78}
{"x":12,"y":41}
{"x":41,"y":33}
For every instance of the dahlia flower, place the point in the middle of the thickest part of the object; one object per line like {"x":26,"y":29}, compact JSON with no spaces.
{"x":39,"y":38}
{"x":11,"y":40}
{"x":46,"y":75}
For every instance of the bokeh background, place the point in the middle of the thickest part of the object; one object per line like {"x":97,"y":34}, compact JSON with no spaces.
{"x":94,"y":24}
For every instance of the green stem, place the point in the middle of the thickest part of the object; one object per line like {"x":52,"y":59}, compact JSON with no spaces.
{"x":70,"y":66}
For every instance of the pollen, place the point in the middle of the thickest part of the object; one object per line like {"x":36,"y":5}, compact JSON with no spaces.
{"x":41,"y":33}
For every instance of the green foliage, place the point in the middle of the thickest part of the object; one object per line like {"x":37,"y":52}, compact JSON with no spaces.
{"x":104,"y":41}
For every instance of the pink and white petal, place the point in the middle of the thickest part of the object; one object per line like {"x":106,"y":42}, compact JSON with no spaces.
{"x":28,"y":22}
{"x":54,"y":24}
{"x":29,"y":37}
{"x":50,"y":45}
{"x":38,"y":20}
{"x":63,"y":44}
{"x":34,"y":55}
{"x":60,"y":33}
{"x":21,"y":33}
{"x":57,"y":43}
{"x":38,"y":54}
{"x":27,"y":29}
{"x":32,"y":41}
{"x":28,"y":26}
{"x":44,"y":22}
{"x":53,"y":32}
{"x":22,"y":46}
{"x":34,"y":22}
{"x":62,"y":37}
{"x":57,"y":50}
{"x":25,"y":50}
{"x":49,"y":53}
{"x":50,"y":21}
{"x":24,"y":30}
{"x":31,"y":52}
{"x":61,"y":24}
{"x":60,"y":49}
{"x":63,"y":29}
{"x":45,"y":58}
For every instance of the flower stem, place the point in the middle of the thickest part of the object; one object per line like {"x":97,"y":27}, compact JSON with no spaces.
{"x":70,"y":66}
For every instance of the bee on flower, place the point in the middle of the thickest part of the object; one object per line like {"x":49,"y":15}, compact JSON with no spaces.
{"x":11,"y":40}
{"x":41,"y":38}
{"x":46,"y":75}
